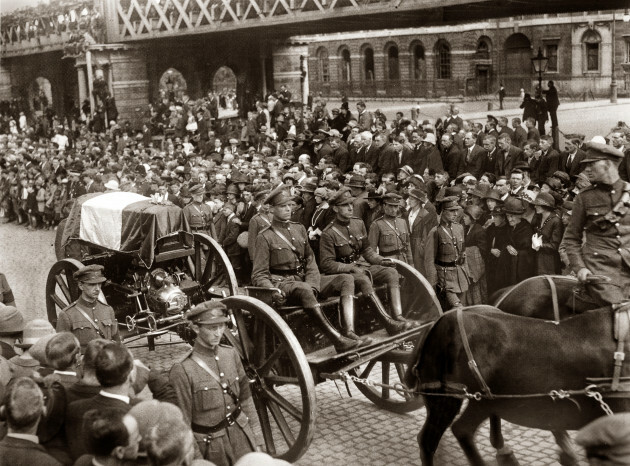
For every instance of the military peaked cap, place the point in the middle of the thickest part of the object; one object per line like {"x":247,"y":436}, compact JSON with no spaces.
{"x":342,"y":197}
{"x":596,"y":151}
{"x":278,"y":196}
{"x":90,"y":274}
{"x":208,"y":313}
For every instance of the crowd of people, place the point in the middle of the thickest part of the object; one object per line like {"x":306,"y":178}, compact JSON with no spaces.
{"x":473,"y":206}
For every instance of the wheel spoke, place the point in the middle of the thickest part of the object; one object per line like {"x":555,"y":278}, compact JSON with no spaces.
{"x":400,"y":369}
{"x":281,"y":422}
{"x":63,"y":287}
{"x":265,"y":425}
{"x":191,"y":266}
{"x":268,"y":364}
{"x":246,"y":343}
{"x":207,"y":270}
{"x":368,"y":369}
{"x":385,"y":374}
{"x":273,"y":379}
{"x":58,"y":301}
{"x":283,"y":403}
{"x":198,"y":253}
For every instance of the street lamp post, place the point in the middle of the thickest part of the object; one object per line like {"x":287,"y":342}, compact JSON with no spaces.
{"x":613,"y":76}
{"x":540,"y":66}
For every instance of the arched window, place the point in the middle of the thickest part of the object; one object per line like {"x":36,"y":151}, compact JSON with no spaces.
{"x":322,"y":65}
{"x":443,"y":60}
{"x":172,"y":84}
{"x":417,"y":61}
{"x":484,"y":47}
{"x":346,"y":68}
{"x":368,"y":64}
{"x":591,"y":45}
{"x":393,"y":68}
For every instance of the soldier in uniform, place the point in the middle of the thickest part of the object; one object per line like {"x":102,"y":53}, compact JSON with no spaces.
{"x":88,"y":318}
{"x":199,"y":214}
{"x":284,"y":259}
{"x":389,"y":233}
{"x":76,"y":188}
{"x":445,"y":258}
{"x":213,"y":391}
{"x":597,"y":237}
{"x":260,"y":220}
{"x":344,"y":248}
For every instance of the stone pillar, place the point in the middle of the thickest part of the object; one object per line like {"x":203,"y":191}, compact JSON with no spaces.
{"x":130,"y":84}
{"x":82,"y":84}
{"x":6,"y":87}
{"x":287,"y":68}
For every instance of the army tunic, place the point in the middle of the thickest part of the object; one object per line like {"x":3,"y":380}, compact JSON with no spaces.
{"x":445,"y":262}
{"x":257,"y":223}
{"x":199,"y":216}
{"x":391,"y":236}
{"x":344,"y":245}
{"x":605,"y":249}
{"x":72,"y":320}
{"x":206,"y":403}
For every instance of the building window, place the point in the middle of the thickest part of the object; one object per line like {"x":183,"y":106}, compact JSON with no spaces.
{"x":323,"y":68}
{"x":346,"y":69}
{"x":483,"y":48}
{"x":551,"y":52}
{"x":393,"y":70}
{"x":591,"y":42}
{"x":368,"y":64}
{"x":417,"y":61}
{"x":443,"y":60}
{"x":627,"y":50}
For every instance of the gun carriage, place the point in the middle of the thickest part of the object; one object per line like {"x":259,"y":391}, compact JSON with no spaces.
{"x":157,"y":269}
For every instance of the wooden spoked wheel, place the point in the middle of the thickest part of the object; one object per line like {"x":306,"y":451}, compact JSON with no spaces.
{"x":210,"y":266}
{"x":419,"y":302}
{"x":61,"y":287}
{"x":281,"y":380}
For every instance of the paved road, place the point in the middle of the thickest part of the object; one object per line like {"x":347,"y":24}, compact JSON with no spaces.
{"x":349,"y":430}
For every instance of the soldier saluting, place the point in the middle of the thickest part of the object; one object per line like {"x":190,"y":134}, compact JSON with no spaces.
{"x":88,"y":318}
{"x":199,"y":214}
{"x":284,"y":259}
{"x":213,"y":391}
{"x":390,"y":233}
{"x":597,"y":239}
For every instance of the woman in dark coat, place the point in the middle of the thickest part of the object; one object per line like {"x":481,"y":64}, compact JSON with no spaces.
{"x":476,"y":243}
{"x":518,"y":252}
{"x":529,"y":108}
{"x":549,"y":231}
{"x":497,"y":237}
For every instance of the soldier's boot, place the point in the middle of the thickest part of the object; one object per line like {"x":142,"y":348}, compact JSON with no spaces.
{"x":340,"y":342}
{"x":397,"y":312}
{"x":347,"y":321}
{"x":392,"y":326}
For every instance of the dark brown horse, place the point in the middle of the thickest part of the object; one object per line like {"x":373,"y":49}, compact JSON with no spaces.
{"x":516,"y":356}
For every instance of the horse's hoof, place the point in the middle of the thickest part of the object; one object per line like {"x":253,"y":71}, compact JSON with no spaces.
{"x":507,"y":459}
{"x":568,"y":460}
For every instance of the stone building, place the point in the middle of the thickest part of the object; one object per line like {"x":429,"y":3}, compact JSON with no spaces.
{"x":473,"y":59}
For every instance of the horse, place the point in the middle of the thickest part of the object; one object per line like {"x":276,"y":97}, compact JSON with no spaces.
{"x":518,"y":357}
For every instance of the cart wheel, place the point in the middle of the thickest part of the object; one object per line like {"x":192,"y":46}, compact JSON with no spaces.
{"x":210,"y":265}
{"x":388,"y":369}
{"x":59,"y":250}
{"x":61,"y":287}
{"x":418,"y":297}
{"x":280,"y":377}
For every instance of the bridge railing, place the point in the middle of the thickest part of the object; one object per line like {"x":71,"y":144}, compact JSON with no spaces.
{"x":391,"y":88}
{"x":49,"y":27}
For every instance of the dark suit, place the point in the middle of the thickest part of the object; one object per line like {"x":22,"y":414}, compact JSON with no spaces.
{"x":341,"y":158}
{"x":549,"y":163}
{"x":454,"y":161}
{"x":370,"y":155}
{"x":427,"y":158}
{"x":505,"y":162}
{"x":19,"y":452}
{"x":475,"y":159}
{"x":425,"y":220}
{"x":75,"y":433}
{"x":520,"y":137}
{"x":574,"y":168}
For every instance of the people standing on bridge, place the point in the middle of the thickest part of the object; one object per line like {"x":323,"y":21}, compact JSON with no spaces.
{"x":597,"y":234}
{"x":88,"y":318}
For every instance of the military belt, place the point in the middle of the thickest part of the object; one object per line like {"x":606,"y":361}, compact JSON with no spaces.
{"x":351,"y":259}
{"x":229,"y":420}
{"x":198,"y":228}
{"x":392,"y":253}
{"x":287,"y":272}
{"x":459,"y":261}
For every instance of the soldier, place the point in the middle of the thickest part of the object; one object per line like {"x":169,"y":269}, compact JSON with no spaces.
{"x":445,"y":258}
{"x":389,"y":233}
{"x":199,"y":214}
{"x":596,"y":238}
{"x":284,"y":259}
{"x":88,"y":318}
{"x":344,"y":248}
{"x":213,"y":391}
{"x":258,"y":222}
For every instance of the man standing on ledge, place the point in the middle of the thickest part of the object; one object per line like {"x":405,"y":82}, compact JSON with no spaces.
{"x":88,"y":318}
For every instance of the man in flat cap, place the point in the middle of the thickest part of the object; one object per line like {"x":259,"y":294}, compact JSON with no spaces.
{"x":213,"y":391}
{"x":598,"y":235}
{"x":88,"y":318}
{"x":444,"y":257}
{"x":198,"y":213}
{"x":284,"y":259}
{"x":390,"y":233}
{"x":344,"y":248}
